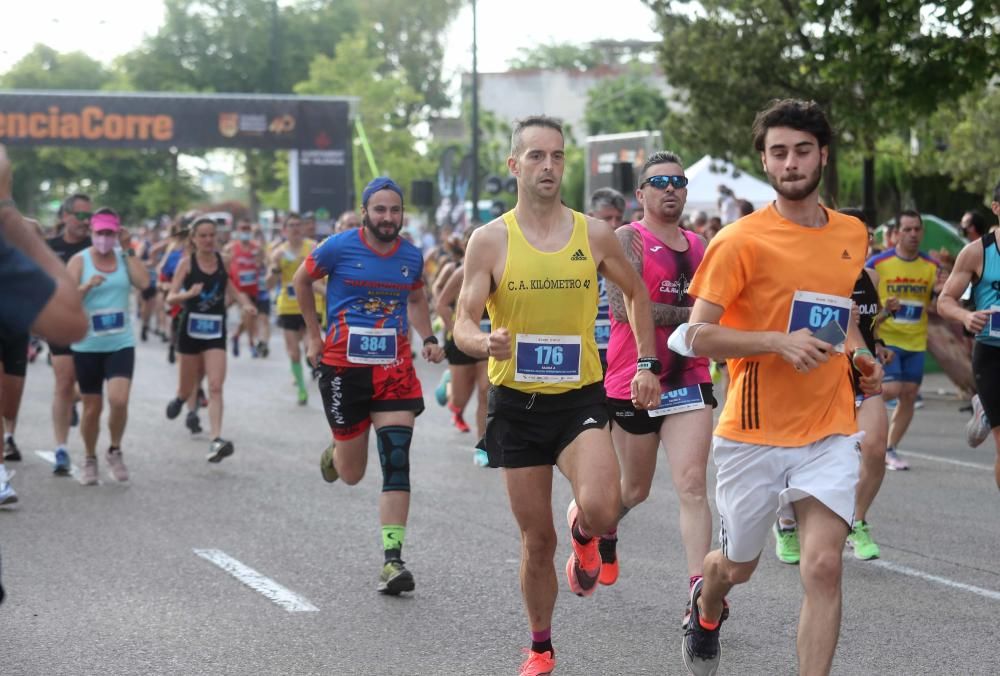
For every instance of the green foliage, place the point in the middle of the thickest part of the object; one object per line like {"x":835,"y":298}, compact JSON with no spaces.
{"x":45,"y":68}
{"x":624,"y":104}
{"x":356,"y":70}
{"x":965,"y":141}
{"x":408,"y":36}
{"x":556,"y":56}
{"x":869,"y":63}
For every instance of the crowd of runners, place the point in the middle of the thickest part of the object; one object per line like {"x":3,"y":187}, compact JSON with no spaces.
{"x":584,"y":342}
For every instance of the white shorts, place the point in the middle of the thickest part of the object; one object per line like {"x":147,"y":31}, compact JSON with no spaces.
{"x":757,"y":484}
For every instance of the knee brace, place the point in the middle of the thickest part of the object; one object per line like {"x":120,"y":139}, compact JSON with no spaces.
{"x":394,"y":454}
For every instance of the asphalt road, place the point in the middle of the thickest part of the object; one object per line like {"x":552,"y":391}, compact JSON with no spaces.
{"x":108,"y":579}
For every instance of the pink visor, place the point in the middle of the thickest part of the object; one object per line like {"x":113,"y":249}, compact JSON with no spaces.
{"x":105,"y":221}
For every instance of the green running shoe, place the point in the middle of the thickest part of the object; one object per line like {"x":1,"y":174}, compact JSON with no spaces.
{"x":395,"y":579}
{"x":786,"y":544}
{"x":861,"y":541}
{"x":326,"y":467}
{"x":441,"y":391}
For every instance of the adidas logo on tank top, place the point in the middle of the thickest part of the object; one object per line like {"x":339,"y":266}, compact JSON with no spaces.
{"x":578,"y":255}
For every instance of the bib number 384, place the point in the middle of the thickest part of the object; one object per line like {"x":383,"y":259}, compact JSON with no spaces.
{"x":371,"y":346}
{"x":547,"y":359}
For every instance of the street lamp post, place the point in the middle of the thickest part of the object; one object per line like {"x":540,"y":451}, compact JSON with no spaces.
{"x":475,"y":122}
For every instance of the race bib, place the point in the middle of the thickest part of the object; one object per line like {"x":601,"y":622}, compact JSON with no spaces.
{"x":679,"y":401}
{"x":204,"y":327}
{"x":813,"y":311}
{"x":994,"y":326}
{"x":290,"y":291}
{"x":602,"y":333}
{"x":107,"y":322}
{"x":547,"y":359}
{"x":485,"y":326}
{"x":247,"y":277}
{"x":371,"y":346}
{"x":909,"y":312}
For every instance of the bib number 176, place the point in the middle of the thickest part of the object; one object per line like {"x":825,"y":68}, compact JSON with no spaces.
{"x":549,"y":355}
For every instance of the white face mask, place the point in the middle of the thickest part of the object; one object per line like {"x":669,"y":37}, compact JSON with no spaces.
{"x":244,"y":236}
{"x":104,"y":243}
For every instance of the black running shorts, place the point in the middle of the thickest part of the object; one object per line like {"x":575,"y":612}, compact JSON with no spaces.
{"x":291,"y":322}
{"x":454,"y":355}
{"x":524,"y":430}
{"x":986,"y":369}
{"x":14,"y":354}
{"x":636,"y":421}
{"x":93,"y":368}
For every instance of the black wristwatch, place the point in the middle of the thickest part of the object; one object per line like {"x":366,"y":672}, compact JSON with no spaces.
{"x":431,"y":340}
{"x":649,"y":364}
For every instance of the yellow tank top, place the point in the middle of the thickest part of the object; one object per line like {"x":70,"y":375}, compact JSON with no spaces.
{"x":288,"y":304}
{"x":548,"y":302}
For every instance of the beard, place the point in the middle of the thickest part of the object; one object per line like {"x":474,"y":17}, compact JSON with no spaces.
{"x":797,"y":193}
{"x":377,"y":234}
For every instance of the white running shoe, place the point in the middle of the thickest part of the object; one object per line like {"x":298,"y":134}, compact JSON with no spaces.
{"x":978,"y":427}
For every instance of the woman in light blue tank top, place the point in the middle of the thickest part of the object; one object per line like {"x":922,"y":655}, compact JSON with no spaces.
{"x":106,"y":275}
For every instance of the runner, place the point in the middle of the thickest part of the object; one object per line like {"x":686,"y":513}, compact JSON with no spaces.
{"x":203,"y":285}
{"x":13,"y":367}
{"x":366,"y":370}
{"x":906,"y":287}
{"x":106,"y":276}
{"x":608,"y":205}
{"x":979,"y":264}
{"x":872,"y":420}
{"x":244,"y":259}
{"x":468,"y":374}
{"x":666,"y":257}
{"x":286,"y":259}
{"x":76,"y":213}
{"x":787,"y":438}
{"x":535,"y":271}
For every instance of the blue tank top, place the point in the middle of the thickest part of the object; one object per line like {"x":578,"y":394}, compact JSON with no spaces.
{"x":109,"y":324}
{"x":986,"y":291}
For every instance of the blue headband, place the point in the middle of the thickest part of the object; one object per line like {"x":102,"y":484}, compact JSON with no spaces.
{"x":380,"y":183}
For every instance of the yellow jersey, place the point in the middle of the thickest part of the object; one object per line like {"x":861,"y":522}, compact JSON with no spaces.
{"x":289,"y":263}
{"x":912,"y":282}
{"x":548,"y":302}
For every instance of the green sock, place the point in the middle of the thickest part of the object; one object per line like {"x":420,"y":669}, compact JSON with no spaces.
{"x":392,"y":541}
{"x":299,"y":379}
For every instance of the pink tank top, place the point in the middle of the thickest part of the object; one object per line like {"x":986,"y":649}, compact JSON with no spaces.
{"x":667,"y":275}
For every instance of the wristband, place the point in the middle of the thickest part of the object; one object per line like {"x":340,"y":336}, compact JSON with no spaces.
{"x":128,"y":252}
{"x":430,"y":340}
{"x":651,"y":364}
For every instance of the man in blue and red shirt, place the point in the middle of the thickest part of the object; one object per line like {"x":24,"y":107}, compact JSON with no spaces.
{"x":374,"y":288}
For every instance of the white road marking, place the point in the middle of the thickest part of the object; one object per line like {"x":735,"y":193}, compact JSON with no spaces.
{"x":283,"y":596}
{"x":935,"y":458}
{"x":913,"y":572}
{"x":50,"y":457}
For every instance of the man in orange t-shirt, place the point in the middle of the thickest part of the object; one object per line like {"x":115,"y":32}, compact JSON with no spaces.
{"x":774,"y":299}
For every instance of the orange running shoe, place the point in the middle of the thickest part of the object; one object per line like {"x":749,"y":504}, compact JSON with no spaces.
{"x":538,"y":664}
{"x":608,"y":547}
{"x":584,"y":565}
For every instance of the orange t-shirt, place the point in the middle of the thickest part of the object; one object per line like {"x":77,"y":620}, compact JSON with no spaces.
{"x":753,"y":269}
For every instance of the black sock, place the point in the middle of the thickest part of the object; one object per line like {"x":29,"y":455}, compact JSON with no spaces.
{"x":543,"y":646}
{"x":393,"y":555}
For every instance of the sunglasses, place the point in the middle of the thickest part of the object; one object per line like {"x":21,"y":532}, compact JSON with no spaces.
{"x":82,"y":215}
{"x":661,"y":182}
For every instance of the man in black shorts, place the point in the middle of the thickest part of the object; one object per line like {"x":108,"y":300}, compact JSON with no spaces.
{"x":76,"y":212}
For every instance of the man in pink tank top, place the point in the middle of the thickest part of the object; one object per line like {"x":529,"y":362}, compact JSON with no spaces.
{"x":666,"y":256}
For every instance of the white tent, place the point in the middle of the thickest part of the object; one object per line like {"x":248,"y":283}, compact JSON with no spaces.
{"x":705,"y":176}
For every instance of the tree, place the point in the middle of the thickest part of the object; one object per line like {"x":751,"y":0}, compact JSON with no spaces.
{"x":625,"y":103}
{"x":409,"y":35}
{"x":357,"y":70}
{"x":964,"y":141}
{"x":556,"y":56}
{"x":867,"y":62}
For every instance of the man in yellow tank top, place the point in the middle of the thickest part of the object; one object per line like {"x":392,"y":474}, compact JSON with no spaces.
{"x":535,"y":271}
{"x":285,"y":260}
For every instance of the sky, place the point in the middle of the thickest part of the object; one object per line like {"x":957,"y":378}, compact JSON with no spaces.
{"x":105,"y":29}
